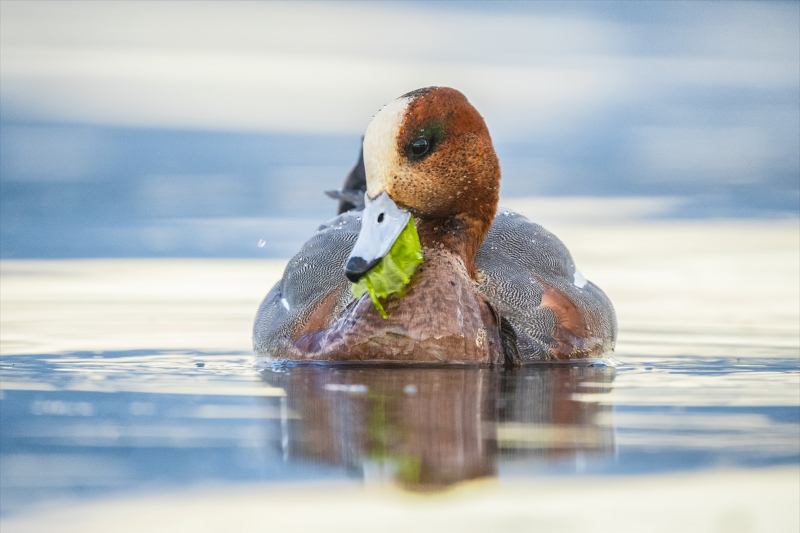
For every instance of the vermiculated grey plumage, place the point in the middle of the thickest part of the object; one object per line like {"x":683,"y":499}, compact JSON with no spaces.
{"x":519,"y":259}
{"x":313,"y":274}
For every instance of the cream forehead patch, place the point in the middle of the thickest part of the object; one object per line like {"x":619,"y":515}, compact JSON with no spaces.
{"x":381,"y":160}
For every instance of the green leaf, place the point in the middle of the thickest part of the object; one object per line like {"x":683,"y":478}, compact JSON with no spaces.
{"x":393,"y":272}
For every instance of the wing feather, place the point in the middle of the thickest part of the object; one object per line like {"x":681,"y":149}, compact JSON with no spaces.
{"x":529,"y":277}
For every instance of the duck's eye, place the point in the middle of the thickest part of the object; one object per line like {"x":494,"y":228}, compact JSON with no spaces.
{"x":420,"y":146}
{"x":380,"y":218}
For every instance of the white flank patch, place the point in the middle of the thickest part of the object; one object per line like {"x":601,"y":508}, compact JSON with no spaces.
{"x":380,"y":146}
{"x":285,"y":303}
{"x":578,"y":280}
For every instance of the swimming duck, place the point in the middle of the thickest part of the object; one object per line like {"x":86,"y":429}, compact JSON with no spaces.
{"x":491,"y":287}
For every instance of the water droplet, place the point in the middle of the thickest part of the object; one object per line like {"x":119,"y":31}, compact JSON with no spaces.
{"x":261,"y":243}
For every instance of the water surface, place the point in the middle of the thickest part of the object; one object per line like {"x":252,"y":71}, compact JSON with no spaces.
{"x":127,"y":380}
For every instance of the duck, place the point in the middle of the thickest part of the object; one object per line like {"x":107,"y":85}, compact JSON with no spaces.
{"x":489,"y":286}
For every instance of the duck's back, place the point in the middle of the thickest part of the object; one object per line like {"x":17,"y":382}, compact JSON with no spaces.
{"x":548,"y":310}
{"x":530,"y":278}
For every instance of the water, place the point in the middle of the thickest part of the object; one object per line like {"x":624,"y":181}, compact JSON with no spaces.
{"x":129,"y":393}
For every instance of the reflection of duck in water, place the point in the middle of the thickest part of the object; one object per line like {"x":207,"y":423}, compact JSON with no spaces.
{"x":492,"y":288}
{"x":430,"y":428}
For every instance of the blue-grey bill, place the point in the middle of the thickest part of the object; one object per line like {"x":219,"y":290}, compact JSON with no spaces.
{"x":381,"y":223}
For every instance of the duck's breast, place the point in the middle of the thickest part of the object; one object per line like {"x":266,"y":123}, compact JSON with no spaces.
{"x":311,"y":315}
{"x":530,"y":278}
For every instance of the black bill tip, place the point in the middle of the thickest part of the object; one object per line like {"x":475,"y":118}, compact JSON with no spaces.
{"x":357,"y":267}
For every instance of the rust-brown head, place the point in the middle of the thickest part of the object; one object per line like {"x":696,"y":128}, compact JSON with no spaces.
{"x":430,"y":152}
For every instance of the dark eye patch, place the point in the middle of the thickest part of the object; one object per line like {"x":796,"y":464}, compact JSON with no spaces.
{"x":425,"y":140}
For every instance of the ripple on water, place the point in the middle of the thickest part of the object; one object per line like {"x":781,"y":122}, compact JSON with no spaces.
{"x":419,"y":428}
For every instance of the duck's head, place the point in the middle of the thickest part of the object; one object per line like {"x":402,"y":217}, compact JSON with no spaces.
{"x":429,"y":154}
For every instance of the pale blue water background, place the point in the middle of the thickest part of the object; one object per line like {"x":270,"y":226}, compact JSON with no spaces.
{"x":197,"y":138}
{"x":123,"y":379}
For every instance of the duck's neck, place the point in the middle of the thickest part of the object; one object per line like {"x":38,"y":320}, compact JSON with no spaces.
{"x":460,"y":235}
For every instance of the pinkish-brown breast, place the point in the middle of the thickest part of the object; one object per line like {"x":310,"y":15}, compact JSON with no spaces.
{"x":441,"y":319}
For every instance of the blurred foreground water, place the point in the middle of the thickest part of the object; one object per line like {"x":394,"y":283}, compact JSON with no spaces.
{"x":131,"y":401}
